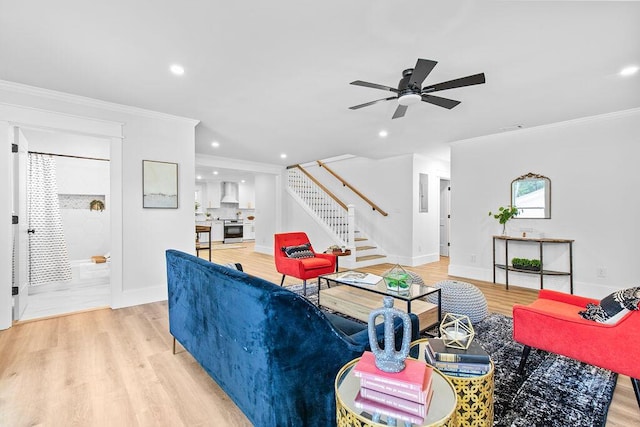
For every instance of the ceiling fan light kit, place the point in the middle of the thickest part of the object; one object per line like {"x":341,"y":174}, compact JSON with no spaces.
{"x":410,"y":90}
{"x":409,"y":99}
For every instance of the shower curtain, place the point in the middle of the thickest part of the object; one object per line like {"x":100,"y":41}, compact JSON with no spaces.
{"x":48,"y":258}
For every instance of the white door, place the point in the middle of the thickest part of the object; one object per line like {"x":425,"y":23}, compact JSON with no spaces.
{"x":445,"y":202}
{"x":21,"y":237}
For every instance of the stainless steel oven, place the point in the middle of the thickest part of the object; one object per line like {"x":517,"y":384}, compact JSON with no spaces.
{"x":232,"y":230}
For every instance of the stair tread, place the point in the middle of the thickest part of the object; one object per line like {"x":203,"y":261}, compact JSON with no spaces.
{"x":361,"y":239}
{"x":369,"y":257}
{"x":364,"y":248}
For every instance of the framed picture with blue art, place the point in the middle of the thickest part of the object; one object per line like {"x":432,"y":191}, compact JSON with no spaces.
{"x":159,"y":185}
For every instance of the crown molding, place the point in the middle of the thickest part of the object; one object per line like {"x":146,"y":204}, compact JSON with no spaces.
{"x":563,"y":124}
{"x":207,"y":160}
{"x":91,"y":102}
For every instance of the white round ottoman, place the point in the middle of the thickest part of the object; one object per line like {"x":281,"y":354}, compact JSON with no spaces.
{"x":461,"y":298}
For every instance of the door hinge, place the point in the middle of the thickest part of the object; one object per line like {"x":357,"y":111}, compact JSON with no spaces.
{"x":14,"y":148}
{"x":448,"y":188}
{"x":448,"y":243}
{"x":14,"y":290}
{"x":449,"y":216}
{"x":14,"y":219}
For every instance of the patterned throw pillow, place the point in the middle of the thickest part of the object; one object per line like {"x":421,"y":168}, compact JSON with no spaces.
{"x":614,"y":306}
{"x":300,"y":251}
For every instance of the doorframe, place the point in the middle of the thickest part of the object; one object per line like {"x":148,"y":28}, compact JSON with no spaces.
{"x":32,"y":118}
{"x":445,"y":209}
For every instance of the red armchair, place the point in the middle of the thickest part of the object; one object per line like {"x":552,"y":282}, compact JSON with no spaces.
{"x":552,"y":323}
{"x":301,"y":268}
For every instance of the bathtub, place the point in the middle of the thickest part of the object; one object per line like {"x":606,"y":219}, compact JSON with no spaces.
{"x":84,"y":272}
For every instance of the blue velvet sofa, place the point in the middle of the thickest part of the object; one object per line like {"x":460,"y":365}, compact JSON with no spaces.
{"x":274,"y":353}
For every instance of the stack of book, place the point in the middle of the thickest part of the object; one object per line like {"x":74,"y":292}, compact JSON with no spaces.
{"x":471,"y":362}
{"x":404,"y":395}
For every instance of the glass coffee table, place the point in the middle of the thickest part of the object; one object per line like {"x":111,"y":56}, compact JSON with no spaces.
{"x":357,"y":300}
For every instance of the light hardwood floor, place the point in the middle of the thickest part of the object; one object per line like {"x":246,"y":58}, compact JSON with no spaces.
{"x":116,"y":368}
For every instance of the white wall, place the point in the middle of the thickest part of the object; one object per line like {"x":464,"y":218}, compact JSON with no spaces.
{"x":146,"y":233}
{"x":592,"y":164}
{"x":268,"y":188}
{"x":407,"y":237}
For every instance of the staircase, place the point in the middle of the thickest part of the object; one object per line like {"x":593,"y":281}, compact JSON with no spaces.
{"x":367,"y":252}
{"x":335,"y":217}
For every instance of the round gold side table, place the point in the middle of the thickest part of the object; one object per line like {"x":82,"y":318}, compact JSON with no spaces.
{"x":475,"y":394}
{"x":441,"y":410}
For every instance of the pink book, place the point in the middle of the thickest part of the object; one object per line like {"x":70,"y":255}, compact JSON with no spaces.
{"x":393,"y":401}
{"x":418,"y":396}
{"x":414,"y":376}
{"x":378,"y":408}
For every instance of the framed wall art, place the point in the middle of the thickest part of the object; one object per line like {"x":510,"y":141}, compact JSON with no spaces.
{"x":159,"y":185}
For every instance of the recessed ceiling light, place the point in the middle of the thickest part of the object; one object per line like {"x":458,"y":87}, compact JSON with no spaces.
{"x":283,"y":156}
{"x":383,"y":134}
{"x":629,"y":71}
{"x":215,"y":172}
{"x":198,"y":177}
{"x":177,"y":69}
{"x":215,"y":144}
{"x":512,"y":127}
{"x":243,"y":181}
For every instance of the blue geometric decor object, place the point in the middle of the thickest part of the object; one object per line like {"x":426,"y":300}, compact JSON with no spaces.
{"x":388,"y":359}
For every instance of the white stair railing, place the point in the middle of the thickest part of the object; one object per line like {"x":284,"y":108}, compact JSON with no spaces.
{"x":329,"y":212}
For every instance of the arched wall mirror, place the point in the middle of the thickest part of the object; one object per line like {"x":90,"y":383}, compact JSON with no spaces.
{"x":531,"y":195}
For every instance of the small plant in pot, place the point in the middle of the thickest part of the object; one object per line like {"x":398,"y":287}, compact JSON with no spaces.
{"x":517,"y":263}
{"x":526,"y":264}
{"x":536,"y":265}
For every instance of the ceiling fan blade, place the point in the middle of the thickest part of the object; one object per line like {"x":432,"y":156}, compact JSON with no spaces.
{"x":374,"y":86}
{"x":399,"y":111}
{"x":366,"y":104}
{"x":421,"y":71}
{"x":475,"y":79}
{"x":440,"y":102}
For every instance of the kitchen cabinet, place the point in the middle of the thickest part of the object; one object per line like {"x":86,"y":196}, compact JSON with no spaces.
{"x":217,"y":231}
{"x":213,"y":195}
{"x":246,"y":195}
{"x":248,"y":230}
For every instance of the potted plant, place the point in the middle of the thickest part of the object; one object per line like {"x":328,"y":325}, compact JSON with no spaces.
{"x":536,"y":265}
{"x":503,"y":215}
{"x":517,"y":263}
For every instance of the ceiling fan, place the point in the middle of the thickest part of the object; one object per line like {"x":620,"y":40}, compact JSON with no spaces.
{"x":410,"y":90}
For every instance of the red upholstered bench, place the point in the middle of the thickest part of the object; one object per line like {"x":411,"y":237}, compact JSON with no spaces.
{"x":553,"y":323}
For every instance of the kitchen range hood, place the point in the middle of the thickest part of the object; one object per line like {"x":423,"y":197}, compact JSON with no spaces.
{"x":229,"y":192}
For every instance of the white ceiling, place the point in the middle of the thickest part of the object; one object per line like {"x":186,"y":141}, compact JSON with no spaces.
{"x":267,"y":78}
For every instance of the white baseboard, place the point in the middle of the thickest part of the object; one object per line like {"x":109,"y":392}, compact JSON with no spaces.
{"x":475,"y":273}
{"x":263,"y":249}
{"x":141,"y":296}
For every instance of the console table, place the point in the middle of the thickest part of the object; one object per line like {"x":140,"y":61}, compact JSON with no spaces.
{"x":542,"y":272}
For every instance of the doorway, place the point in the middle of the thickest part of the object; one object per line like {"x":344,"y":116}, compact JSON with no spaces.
{"x":80,"y":201}
{"x":15,"y":116}
{"x":445,"y":215}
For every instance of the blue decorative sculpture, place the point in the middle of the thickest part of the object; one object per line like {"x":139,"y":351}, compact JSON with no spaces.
{"x":389,"y":360}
